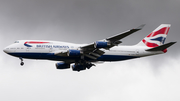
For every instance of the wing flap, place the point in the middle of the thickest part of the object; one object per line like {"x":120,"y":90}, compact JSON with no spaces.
{"x":94,"y":54}
{"x":91,"y":57}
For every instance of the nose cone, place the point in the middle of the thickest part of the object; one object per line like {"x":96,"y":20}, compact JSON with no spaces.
{"x":9,"y":49}
{"x":5,"y":50}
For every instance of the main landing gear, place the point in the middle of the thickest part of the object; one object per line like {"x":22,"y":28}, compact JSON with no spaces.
{"x":22,"y":63}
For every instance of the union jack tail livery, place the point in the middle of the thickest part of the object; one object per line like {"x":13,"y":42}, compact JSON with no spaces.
{"x":157,"y":37}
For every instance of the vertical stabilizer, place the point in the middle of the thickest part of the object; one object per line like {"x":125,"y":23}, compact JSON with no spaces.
{"x":157,"y":37}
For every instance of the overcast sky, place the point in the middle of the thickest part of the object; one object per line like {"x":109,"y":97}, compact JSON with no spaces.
{"x":155,"y":78}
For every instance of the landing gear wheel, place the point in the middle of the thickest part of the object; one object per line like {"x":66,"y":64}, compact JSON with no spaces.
{"x":22,"y":63}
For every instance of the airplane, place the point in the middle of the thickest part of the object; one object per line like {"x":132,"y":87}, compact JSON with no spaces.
{"x":84,"y":56}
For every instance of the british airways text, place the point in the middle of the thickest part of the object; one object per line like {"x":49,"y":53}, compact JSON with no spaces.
{"x":51,"y":46}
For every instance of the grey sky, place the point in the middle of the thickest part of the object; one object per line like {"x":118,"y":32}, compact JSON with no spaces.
{"x":85,"y":21}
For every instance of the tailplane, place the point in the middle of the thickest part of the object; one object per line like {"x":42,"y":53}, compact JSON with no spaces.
{"x":162,"y":47}
{"x":157,"y":37}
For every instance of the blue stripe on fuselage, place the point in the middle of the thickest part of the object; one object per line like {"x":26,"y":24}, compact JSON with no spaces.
{"x":48,"y":56}
{"x":27,"y":45}
{"x":51,"y":56}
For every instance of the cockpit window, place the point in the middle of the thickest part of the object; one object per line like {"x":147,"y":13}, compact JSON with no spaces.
{"x":16,"y":42}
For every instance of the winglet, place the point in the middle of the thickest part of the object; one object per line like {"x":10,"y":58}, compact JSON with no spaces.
{"x":140,"y":27}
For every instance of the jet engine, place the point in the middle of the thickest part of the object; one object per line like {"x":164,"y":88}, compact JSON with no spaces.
{"x":78,"y":67}
{"x":74,"y":53}
{"x":101,"y":44}
{"x":62,"y":65}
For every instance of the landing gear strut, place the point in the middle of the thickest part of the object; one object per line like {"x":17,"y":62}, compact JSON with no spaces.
{"x":22,"y":63}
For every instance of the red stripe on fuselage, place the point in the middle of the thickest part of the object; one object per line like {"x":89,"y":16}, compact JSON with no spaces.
{"x":35,"y":42}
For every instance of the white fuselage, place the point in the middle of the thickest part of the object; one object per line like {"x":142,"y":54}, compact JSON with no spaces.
{"x":48,"y":51}
{"x":84,"y":55}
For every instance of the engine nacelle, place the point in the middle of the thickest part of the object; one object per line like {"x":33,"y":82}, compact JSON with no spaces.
{"x":101,"y":44}
{"x":74,"y":53}
{"x":62,"y":65}
{"x":78,"y":67}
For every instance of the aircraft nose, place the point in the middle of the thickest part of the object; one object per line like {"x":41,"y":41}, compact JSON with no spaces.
{"x":5,"y":50}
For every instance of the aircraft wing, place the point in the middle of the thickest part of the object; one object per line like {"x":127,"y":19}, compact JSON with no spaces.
{"x":93,"y":52}
{"x":114,"y":40}
{"x":96,"y":49}
{"x":122,"y":35}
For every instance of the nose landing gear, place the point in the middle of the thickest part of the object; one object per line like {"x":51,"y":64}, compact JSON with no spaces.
{"x":22,"y":63}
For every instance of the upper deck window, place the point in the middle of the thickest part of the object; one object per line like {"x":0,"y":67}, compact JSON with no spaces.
{"x":16,"y":42}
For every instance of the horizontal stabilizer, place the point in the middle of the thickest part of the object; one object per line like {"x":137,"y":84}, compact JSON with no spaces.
{"x":162,"y":47}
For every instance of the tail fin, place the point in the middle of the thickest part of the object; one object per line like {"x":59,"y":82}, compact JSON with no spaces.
{"x":157,"y":37}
